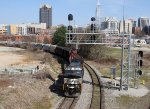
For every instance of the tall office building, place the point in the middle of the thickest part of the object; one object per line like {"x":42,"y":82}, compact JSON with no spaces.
{"x":134,"y":25}
{"x":126,"y":26}
{"x":46,"y":15}
{"x":143,"y":21}
{"x":133,"y":22}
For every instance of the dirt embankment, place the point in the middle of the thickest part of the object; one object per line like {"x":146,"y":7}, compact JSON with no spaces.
{"x":27,"y":90}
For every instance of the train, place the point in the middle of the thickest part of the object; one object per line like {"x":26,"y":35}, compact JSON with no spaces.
{"x":70,"y":81}
{"x":73,"y":77}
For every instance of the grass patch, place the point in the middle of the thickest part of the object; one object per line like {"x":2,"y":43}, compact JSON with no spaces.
{"x":116,"y":53}
{"x":106,"y":71}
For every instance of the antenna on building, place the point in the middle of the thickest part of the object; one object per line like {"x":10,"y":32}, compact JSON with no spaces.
{"x":97,"y":16}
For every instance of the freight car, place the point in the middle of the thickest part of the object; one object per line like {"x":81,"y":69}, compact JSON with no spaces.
{"x":46,"y":47}
{"x":59,"y":51}
{"x":66,"y":53}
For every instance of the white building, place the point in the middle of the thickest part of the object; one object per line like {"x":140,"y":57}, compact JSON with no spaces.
{"x":127,"y":26}
{"x":3,"y":29}
{"x":37,"y":25}
{"x":109,"y":26}
{"x":21,"y":29}
{"x":26,"y":29}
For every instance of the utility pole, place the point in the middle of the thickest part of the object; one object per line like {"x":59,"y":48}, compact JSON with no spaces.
{"x":122,"y":54}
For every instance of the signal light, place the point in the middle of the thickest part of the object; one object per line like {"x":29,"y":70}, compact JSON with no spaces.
{"x":93,"y":38}
{"x":70,"y":17}
{"x":93,"y":28}
{"x":139,"y":72}
{"x":140,"y":63}
{"x":93,"y":19}
{"x":70,"y":27}
{"x":140,"y":54}
{"x":70,"y":37}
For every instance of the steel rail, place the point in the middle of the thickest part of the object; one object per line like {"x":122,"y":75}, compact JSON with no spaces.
{"x":68,"y":103}
{"x":96,"y":102}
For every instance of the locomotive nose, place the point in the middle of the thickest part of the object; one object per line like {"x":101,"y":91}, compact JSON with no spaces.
{"x":71,"y":90}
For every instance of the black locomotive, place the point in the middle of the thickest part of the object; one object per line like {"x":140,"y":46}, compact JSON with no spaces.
{"x":73,"y":77}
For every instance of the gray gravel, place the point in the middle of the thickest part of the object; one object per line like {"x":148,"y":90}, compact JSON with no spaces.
{"x":125,"y":99}
{"x":60,"y":99}
{"x":86,"y":95}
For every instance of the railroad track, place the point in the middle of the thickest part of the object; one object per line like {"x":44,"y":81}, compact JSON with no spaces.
{"x":68,"y":103}
{"x":96,"y":102}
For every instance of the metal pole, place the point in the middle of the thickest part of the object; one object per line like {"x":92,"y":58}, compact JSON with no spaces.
{"x":129,"y":60}
{"x":74,"y":28}
{"x":111,"y":32}
{"x":136,"y":69}
{"x":77,"y":45}
{"x":122,"y":54}
{"x":69,"y":32}
{"x":122,"y":63}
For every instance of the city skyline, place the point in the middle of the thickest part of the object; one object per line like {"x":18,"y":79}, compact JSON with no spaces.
{"x":17,"y":11}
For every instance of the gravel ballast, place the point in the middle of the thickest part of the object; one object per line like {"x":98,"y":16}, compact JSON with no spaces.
{"x":86,"y":94}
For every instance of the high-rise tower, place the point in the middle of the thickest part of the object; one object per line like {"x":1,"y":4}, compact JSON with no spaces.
{"x":46,"y":15}
{"x":143,"y":21}
{"x":97,"y":16}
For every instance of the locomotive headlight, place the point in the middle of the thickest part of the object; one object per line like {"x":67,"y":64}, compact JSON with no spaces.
{"x":71,"y":81}
{"x":76,"y":81}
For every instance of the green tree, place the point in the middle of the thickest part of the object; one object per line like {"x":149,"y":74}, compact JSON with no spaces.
{"x":59,"y":36}
{"x":98,"y":53}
